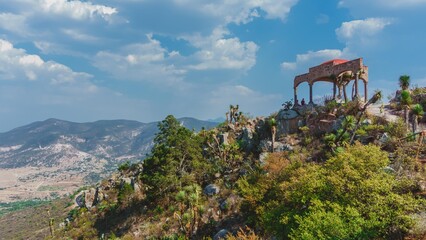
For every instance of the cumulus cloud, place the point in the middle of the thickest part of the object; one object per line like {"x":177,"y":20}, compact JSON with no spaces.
{"x":148,"y":62}
{"x":312,"y":58}
{"x":75,"y":9}
{"x":219,"y":52}
{"x":242,"y":11}
{"x":14,"y":23}
{"x":16,"y":64}
{"x":362,"y":28}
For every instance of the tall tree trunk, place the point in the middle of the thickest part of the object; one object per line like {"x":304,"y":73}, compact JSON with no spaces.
{"x":415,"y":123}
{"x":406,"y":116}
{"x":274,"y":132}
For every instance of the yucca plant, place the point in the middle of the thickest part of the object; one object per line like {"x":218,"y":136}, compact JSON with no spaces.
{"x":404,"y":82}
{"x":417,"y":111}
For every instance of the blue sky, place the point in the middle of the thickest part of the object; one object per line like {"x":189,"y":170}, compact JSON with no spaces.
{"x":144,"y":59}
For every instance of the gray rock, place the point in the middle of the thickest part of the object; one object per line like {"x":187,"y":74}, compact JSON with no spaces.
{"x":221,"y":234}
{"x":265,"y":146}
{"x":262,"y":158}
{"x":211,"y":189}
{"x":223,"y":138}
{"x":79,"y":200}
{"x":224,"y":205}
{"x":281,"y":147}
{"x":247,"y":133}
{"x":367,"y":122}
{"x":90,"y":197}
{"x":384,"y":138}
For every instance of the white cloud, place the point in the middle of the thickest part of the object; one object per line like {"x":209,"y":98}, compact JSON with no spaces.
{"x":242,"y":11}
{"x":14,"y":23}
{"x":16,"y":64}
{"x":80,"y":36}
{"x":75,"y":9}
{"x":312,"y":58}
{"x":218,"y":52}
{"x":400,"y":4}
{"x":362,"y":28}
{"x":147,"y":62}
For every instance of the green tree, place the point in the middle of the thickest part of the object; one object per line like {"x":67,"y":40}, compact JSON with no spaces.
{"x":404,"y":82}
{"x":418,"y":112}
{"x":175,"y":160}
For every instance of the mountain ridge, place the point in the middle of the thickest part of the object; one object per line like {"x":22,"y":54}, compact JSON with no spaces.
{"x":57,"y":150}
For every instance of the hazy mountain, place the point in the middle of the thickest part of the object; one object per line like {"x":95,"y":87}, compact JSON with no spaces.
{"x":53,"y":150}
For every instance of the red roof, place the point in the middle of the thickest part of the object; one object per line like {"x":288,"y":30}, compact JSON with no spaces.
{"x":335,"y":61}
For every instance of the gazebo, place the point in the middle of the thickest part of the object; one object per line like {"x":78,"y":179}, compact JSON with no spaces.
{"x":340,"y":72}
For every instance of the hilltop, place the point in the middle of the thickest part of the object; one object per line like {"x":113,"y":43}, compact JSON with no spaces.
{"x":334,"y":170}
{"x":342,"y":170}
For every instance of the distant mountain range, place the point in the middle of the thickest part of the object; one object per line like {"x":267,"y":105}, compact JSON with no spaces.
{"x":48,"y":142}
{"x":51,"y":151}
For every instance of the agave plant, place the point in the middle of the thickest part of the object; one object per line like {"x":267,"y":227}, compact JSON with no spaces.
{"x":375,"y":98}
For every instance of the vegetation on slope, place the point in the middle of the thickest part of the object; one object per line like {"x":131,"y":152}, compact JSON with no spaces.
{"x":360,"y":179}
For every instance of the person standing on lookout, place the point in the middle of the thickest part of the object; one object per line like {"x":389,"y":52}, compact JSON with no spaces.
{"x":303,"y":102}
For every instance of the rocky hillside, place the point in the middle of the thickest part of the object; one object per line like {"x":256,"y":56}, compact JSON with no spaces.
{"x":252,"y":179}
{"x":36,"y":157}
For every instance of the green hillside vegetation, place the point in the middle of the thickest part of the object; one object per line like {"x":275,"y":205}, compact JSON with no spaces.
{"x":362,"y":180}
{"x":31,"y":220}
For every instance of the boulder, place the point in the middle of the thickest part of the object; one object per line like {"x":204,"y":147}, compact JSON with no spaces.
{"x":79,"y":200}
{"x":90,"y":197}
{"x":211,"y":189}
{"x":221,"y":234}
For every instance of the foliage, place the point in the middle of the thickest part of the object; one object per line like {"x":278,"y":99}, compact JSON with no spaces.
{"x":417,"y":110}
{"x":124,"y":166}
{"x":176,"y":155}
{"x":406,"y":98}
{"x":190,"y":209}
{"x":404,"y":82}
{"x":244,"y":234}
{"x":351,"y":196}
{"x":125,"y":193}
{"x":19,"y":205}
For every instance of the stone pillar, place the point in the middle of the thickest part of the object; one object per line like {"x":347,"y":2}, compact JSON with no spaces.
{"x":365,"y":92}
{"x":310,"y":93}
{"x":356,"y":86}
{"x":296,"y":101}
{"x":334,"y":90}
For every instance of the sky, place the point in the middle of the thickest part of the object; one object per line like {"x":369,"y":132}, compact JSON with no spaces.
{"x":145,"y":59}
